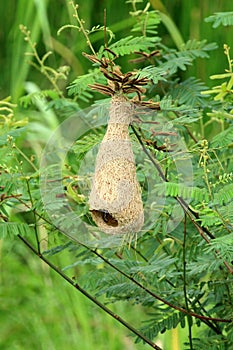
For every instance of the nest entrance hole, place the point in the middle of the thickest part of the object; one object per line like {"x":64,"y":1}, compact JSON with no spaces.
{"x":105,"y":216}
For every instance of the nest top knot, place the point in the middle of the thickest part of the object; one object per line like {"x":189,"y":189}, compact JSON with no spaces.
{"x":121,"y":110}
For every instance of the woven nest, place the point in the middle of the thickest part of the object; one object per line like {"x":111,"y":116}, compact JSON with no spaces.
{"x":115,"y":199}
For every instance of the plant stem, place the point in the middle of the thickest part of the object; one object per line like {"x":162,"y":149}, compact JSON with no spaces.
{"x":25,"y":157}
{"x":80,"y":22}
{"x":89,"y":296}
{"x":185,"y":282}
{"x":34,"y":216}
{"x":161,"y":174}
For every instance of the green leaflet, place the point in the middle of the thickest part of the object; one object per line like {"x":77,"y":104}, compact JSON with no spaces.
{"x":156,"y":325}
{"x":196,"y":48}
{"x":220,"y":18}
{"x":189,"y":93}
{"x":148,"y":23}
{"x":224,"y":195}
{"x":175,"y":189}
{"x":223,"y":139}
{"x":12,"y":229}
{"x":87,"y":142}
{"x":80,"y":86}
{"x":224,"y":245}
{"x":131,"y":44}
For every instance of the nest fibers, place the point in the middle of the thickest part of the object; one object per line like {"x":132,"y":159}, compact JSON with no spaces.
{"x":115,"y":199}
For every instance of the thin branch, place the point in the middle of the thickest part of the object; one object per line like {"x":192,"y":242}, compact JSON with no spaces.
{"x":89,"y":296}
{"x":185,"y":282}
{"x":191,"y":135}
{"x":187,"y":312}
{"x":81,"y":22}
{"x":35,"y":217}
{"x":26,"y":158}
{"x":203,"y":231}
{"x":105,"y":26}
{"x":157,"y":166}
{"x":95,"y":252}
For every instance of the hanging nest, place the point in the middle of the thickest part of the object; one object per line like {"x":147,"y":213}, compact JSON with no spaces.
{"x":115,"y":199}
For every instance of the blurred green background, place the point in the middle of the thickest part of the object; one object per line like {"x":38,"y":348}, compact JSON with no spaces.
{"x":37,"y":309}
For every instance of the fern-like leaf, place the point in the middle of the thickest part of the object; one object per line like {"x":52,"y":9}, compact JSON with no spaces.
{"x":224,"y":195}
{"x":189,"y":92}
{"x":221,"y":18}
{"x":12,"y":229}
{"x":158,"y":264}
{"x":131,"y":44}
{"x":174,"y":189}
{"x":209,"y":217}
{"x":223,"y":139}
{"x":196,"y":48}
{"x":32,"y":98}
{"x":155,"y":74}
{"x":174,"y":62}
{"x":223,"y":245}
{"x":87,"y":142}
{"x":157,"y":325}
{"x":147,"y":23}
{"x":187,"y":114}
{"x":80,"y":86}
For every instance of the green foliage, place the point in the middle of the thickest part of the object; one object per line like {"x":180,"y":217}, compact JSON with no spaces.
{"x":87,"y":142}
{"x":189,"y":92}
{"x":223,"y":245}
{"x":224,"y":195}
{"x":197,"y":49}
{"x":178,"y":272}
{"x":224,"y":138}
{"x":31,"y":98}
{"x":148,"y":23}
{"x":174,"y":190}
{"x":131,"y":44}
{"x":221,"y":18}
{"x":11,"y":229}
{"x":156,"y":326}
{"x":171,"y":60}
{"x":79,"y":86}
